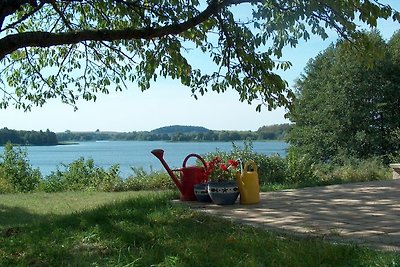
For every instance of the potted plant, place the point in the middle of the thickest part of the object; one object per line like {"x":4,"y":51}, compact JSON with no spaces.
{"x":222,"y":185}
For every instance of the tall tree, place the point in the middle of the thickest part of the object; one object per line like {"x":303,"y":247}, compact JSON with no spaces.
{"x":73,"y":49}
{"x":348,"y":102}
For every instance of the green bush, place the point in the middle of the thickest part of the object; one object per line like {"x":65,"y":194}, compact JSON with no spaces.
{"x":53,"y":183}
{"x":274,"y":170}
{"x":16,"y":172}
{"x":300,"y":167}
{"x":153,"y":180}
{"x":110,"y":180}
{"x":81,"y":175}
{"x":353,"y":170}
{"x":296,"y":170}
{"x":5,"y":185}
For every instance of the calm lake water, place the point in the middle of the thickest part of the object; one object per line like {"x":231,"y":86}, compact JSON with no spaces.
{"x":134,"y":153}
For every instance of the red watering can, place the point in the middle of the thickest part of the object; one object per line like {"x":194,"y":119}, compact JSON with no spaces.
{"x":189,"y":176}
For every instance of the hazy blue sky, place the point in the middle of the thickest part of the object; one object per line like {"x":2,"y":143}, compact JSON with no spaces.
{"x":169,"y":103}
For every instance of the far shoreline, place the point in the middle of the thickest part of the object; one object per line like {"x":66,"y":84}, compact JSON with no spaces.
{"x":69,"y":143}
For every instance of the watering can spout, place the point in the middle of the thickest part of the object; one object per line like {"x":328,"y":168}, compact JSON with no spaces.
{"x":159,"y":153}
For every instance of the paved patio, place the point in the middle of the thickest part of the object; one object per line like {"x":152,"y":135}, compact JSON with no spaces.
{"x":366,"y":213}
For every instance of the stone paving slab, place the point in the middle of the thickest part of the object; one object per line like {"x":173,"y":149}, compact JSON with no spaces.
{"x":367,"y":213}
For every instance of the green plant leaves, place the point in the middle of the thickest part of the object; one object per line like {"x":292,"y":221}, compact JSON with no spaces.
{"x":239,"y":54}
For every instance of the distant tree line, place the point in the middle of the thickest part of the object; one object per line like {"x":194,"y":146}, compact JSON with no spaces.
{"x":176,"y":134}
{"x":273,"y":132}
{"x":36,"y":138}
{"x":169,"y":133}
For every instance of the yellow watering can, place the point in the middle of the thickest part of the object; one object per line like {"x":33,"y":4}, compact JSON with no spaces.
{"x":248,"y":183}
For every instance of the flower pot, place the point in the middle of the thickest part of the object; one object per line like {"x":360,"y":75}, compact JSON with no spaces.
{"x":223,"y":193}
{"x":201,"y":192}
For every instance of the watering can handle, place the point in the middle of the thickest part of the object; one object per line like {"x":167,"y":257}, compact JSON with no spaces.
{"x":248,"y":163}
{"x":197,"y":156}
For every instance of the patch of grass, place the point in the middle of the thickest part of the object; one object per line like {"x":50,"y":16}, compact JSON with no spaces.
{"x":276,"y":186}
{"x":25,"y":208}
{"x":146,"y":229}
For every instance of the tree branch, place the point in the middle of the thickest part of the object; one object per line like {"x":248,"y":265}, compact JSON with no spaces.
{"x":14,"y":42}
{"x":61,"y":14}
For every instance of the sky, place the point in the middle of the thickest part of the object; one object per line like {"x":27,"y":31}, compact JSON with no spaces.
{"x":169,"y":103}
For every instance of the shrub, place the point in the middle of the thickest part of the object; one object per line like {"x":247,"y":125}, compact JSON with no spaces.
{"x":5,"y":185}
{"x":53,"y":183}
{"x":16,"y":170}
{"x":353,"y":170}
{"x":274,"y":170}
{"x":110,"y":180}
{"x":81,"y":175}
{"x":153,"y":180}
{"x":300,"y":167}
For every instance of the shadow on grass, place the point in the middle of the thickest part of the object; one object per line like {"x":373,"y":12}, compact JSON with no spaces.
{"x":17,"y":217}
{"x":148,"y":230}
{"x":135,"y":230}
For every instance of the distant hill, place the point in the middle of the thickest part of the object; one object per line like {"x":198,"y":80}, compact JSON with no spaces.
{"x":174,"y":129}
{"x":178,"y":133}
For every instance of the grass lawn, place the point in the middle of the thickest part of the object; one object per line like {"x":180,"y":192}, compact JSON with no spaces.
{"x":145,"y":229}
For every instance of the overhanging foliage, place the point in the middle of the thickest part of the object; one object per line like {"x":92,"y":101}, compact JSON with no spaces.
{"x":76,"y":49}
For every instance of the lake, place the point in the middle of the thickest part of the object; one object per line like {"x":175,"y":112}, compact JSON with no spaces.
{"x":134,"y":153}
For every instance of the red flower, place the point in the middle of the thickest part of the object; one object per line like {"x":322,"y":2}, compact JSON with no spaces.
{"x":217,"y":170}
{"x":233,"y":163}
{"x":223,"y":167}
